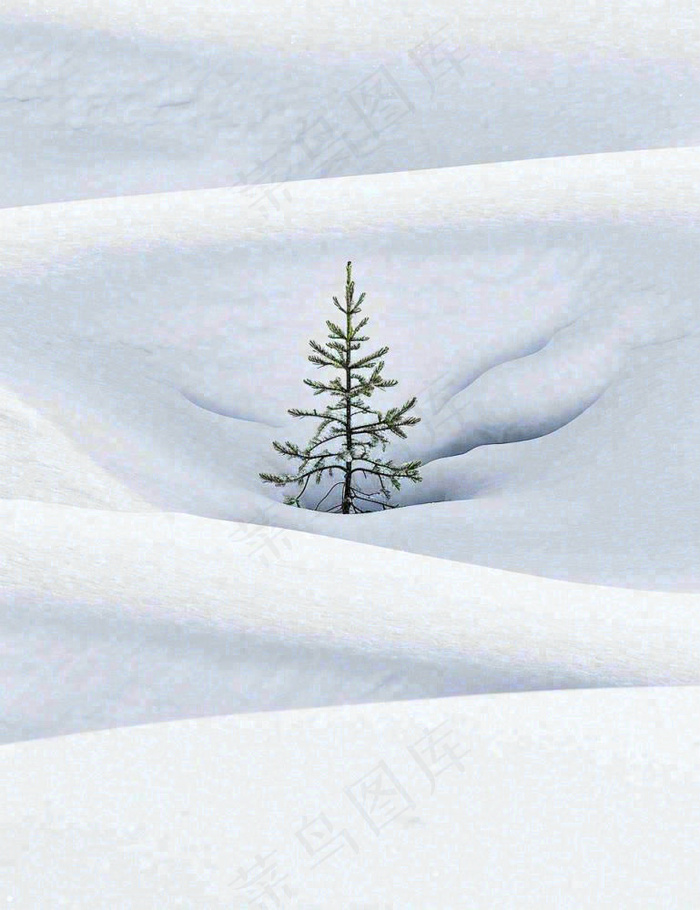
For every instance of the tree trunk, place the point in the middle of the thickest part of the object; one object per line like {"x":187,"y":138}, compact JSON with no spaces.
{"x":347,"y":495}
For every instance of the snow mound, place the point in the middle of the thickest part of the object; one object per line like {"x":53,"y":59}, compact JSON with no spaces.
{"x":558,"y":310}
{"x":570,"y":800}
{"x":111,"y":619}
{"x":171,"y":96}
{"x":519,"y":192}
{"x":38,"y":462}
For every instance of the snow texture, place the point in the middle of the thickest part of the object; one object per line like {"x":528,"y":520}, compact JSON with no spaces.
{"x":193,"y":674}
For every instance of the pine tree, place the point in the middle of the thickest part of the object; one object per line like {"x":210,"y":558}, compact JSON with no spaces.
{"x":340,"y":417}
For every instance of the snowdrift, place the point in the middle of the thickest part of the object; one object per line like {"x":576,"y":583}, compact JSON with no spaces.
{"x":556,"y":305}
{"x":568,"y":800}
{"x":181,"y":186}
{"x":111,"y":619}
{"x":121,"y":98}
{"x":38,"y":462}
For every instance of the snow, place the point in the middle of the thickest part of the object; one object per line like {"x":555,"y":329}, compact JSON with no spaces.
{"x":112,"y":618}
{"x":108,"y":99}
{"x":190,"y":670}
{"x":39,"y":460}
{"x":540,"y":799}
{"x":139,"y":325}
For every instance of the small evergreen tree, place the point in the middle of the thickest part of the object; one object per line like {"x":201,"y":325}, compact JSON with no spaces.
{"x":354,"y":456}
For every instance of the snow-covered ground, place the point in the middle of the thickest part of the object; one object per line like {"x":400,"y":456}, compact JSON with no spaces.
{"x":106,"y":99}
{"x":522,"y":209}
{"x":557,"y":800}
{"x":112,"y":618}
{"x":549,"y":306}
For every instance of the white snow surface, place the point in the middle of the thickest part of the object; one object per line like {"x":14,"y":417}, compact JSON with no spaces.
{"x":544,"y":313}
{"x":181,"y":186}
{"x":106,"y":99}
{"x":566,"y":800}
{"x":117,"y":618}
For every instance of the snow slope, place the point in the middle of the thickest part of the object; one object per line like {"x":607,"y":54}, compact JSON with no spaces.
{"x":41,"y":464}
{"x":557,"y":308}
{"x":521,"y":205}
{"x":110,"y":619}
{"x":120,"y":98}
{"x":566,"y":800}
